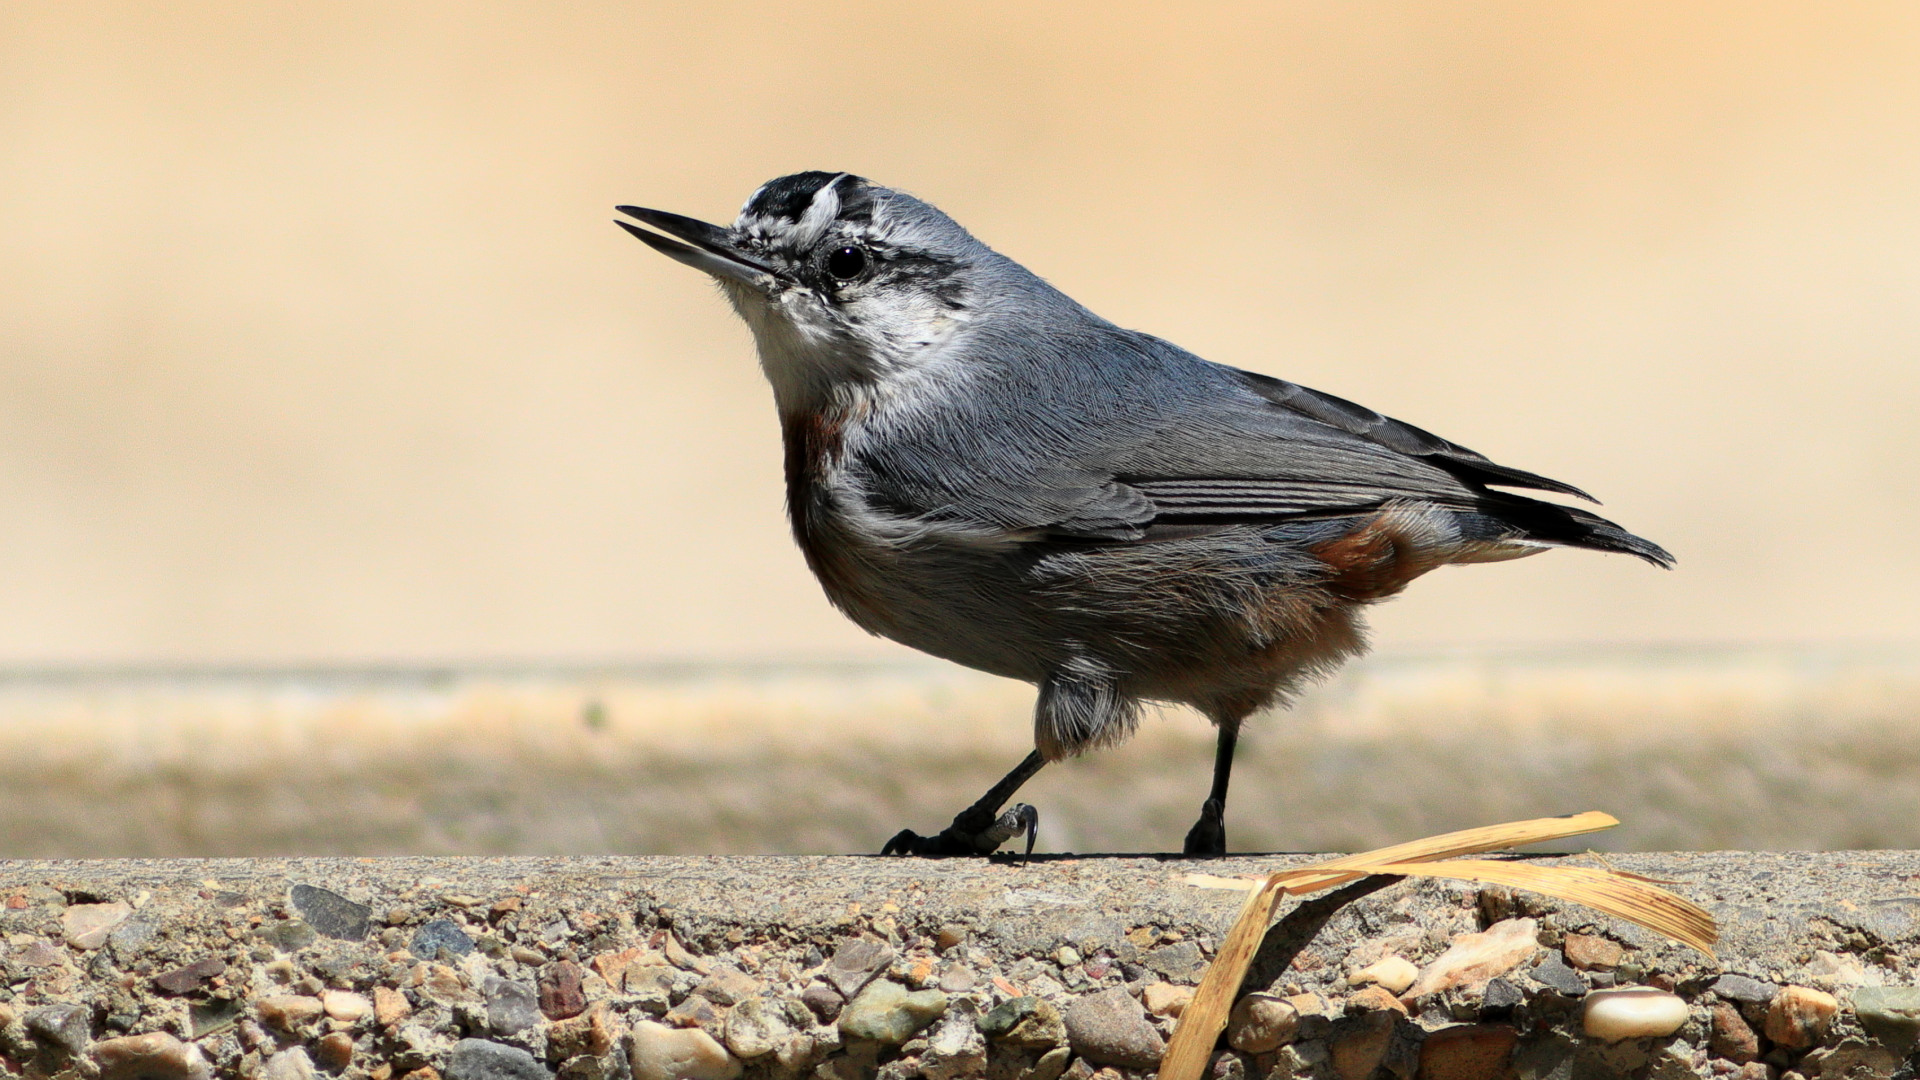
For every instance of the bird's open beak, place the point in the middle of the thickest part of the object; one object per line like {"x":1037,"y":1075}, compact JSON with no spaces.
{"x":708,"y":247}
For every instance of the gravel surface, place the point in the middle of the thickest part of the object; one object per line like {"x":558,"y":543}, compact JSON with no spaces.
{"x":848,"y":968}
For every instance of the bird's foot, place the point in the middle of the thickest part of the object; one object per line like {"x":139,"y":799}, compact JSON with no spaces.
{"x":957,"y":839}
{"x":1208,"y":835}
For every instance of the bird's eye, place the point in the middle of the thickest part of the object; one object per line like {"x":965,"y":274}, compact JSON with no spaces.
{"x":847,"y":263}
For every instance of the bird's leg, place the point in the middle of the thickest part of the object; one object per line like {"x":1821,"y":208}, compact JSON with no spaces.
{"x":1209,"y":835}
{"x":980,"y":828}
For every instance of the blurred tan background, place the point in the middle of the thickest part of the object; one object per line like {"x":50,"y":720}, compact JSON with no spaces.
{"x":319,"y":353}
{"x":317,"y":343}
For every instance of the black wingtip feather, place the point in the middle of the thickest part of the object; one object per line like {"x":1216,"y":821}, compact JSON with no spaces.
{"x":1606,"y":536}
{"x":1567,"y":526}
{"x":1507,"y":476}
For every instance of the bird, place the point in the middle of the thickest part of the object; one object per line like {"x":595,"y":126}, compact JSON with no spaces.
{"x":980,"y":468}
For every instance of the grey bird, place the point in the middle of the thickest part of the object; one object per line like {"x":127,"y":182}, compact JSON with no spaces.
{"x":981,"y":468}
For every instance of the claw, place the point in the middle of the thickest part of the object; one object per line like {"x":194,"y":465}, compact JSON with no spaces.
{"x":952,"y":840}
{"x":902,"y":843}
{"x":1208,"y":835}
{"x":1019,"y":818}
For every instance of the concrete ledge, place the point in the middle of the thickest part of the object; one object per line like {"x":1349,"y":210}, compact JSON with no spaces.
{"x":850,"y":967}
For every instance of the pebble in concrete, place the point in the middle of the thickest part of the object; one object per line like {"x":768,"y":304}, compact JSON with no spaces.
{"x":389,"y":1006}
{"x":823,"y":1000}
{"x":345,"y":1005}
{"x":1050,"y":1065}
{"x":727,"y":985}
{"x":591,"y":1033}
{"x":1166,"y":999}
{"x":191,"y":977}
{"x":479,"y":1059}
{"x":856,"y":963}
{"x":658,"y":1052}
{"x":86,"y":926}
{"x":1890,"y":1014}
{"x":1741,"y":988}
{"x":1473,"y":959}
{"x":1468,"y":1052}
{"x":331,"y":914}
{"x":63,"y":1027}
{"x":288,"y":1012}
{"x":697,"y":1011}
{"x":1260,"y":1023}
{"x":1110,"y":1028}
{"x":289,"y":1064}
{"x":1028,"y":1022}
{"x":886,"y":1012}
{"x":1395,"y":973}
{"x":1799,"y":1015}
{"x":511,"y":1006}
{"x":955,"y":1047}
{"x":1375,"y":998}
{"x":335,"y":1051}
{"x":1590,"y":953}
{"x":1360,"y":1046}
{"x":1732,"y":1037}
{"x":440,"y":934}
{"x":1558,"y":977}
{"x":155,"y":1056}
{"x":758,"y":1026}
{"x":1632,"y":1012}
{"x":562,"y":990}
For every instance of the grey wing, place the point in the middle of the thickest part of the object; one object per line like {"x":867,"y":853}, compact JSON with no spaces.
{"x":1113,"y":435}
{"x":1276,"y":451}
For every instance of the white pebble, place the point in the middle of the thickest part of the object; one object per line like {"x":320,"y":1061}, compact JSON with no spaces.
{"x":1632,"y":1012}
{"x":1394,"y":974}
{"x":345,"y":1006}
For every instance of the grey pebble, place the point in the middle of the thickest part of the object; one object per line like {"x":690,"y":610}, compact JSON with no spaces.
{"x":1110,"y":1028}
{"x":1181,"y":960}
{"x":63,"y":1027}
{"x":855,"y":964}
{"x":1742,"y":988}
{"x":478,"y":1059}
{"x":331,"y":914}
{"x":823,"y":1001}
{"x":955,"y":1048}
{"x":1501,"y":994}
{"x":211,"y":1017}
{"x":727,"y":985}
{"x":1554,"y":974}
{"x":512,"y":1007}
{"x":289,"y":935}
{"x":1890,"y":1014}
{"x":440,"y":934}
{"x":289,"y":1064}
{"x":956,"y":979}
{"x":129,"y":936}
{"x":1028,"y":1021}
{"x":183,"y":980}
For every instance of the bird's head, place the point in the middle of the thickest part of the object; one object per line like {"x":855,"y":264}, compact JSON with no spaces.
{"x":840,"y":279}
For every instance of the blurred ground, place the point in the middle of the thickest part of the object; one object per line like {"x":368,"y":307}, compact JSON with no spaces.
{"x":317,"y":342}
{"x":1733,"y":748}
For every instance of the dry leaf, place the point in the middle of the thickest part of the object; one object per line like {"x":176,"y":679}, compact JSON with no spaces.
{"x":1627,"y":896}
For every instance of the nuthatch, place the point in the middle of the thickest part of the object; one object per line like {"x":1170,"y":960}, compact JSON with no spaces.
{"x":981,"y":468}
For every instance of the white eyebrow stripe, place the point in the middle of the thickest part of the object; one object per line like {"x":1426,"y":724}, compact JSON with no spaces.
{"x":820,"y":214}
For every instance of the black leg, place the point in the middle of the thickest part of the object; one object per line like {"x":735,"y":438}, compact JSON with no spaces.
{"x":1209,"y":835}
{"x":980,"y":828}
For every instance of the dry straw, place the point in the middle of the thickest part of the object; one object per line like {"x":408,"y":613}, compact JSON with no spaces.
{"x":1627,"y":896}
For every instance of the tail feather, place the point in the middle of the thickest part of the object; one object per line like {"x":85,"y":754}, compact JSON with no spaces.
{"x":1500,"y":516}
